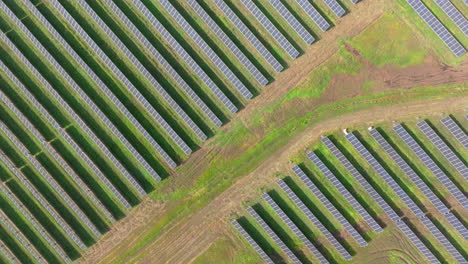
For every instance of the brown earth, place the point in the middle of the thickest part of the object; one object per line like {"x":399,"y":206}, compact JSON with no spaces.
{"x":191,"y":236}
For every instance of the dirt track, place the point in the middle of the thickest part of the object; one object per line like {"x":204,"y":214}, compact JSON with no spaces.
{"x":187,"y":239}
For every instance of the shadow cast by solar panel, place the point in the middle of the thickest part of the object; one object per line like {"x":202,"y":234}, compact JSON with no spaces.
{"x":268,"y":46}
{"x":14,"y":247}
{"x":359,"y":168}
{"x":353,"y":192}
{"x":261,"y":241}
{"x":293,"y":215}
{"x":345,"y":7}
{"x":426,"y":242}
{"x":284,"y":235}
{"x":302,"y":22}
{"x":444,"y":230}
{"x":436,"y":161}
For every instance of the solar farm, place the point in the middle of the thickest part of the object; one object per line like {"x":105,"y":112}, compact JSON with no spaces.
{"x":110,"y":106}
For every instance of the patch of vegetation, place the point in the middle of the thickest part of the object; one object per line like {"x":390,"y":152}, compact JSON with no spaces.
{"x":226,"y":251}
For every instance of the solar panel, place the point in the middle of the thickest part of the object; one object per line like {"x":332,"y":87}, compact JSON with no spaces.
{"x":185,"y":56}
{"x":6,"y":222}
{"x":38,"y":196}
{"x":294,"y":228}
{"x":206,"y":49}
{"x":437,"y":27}
{"x":443,"y":240}
{"x":438,"y":204}
{"x":252,"y":242}
{"x":75,"y":87}
{"x":346,"y":194}
{"x":292,"y":21}
{"x":7,"y":254}
{"x":416,"y":241}
{"x":54,"y":154}
{"x":362,"y":181}
{"x":314,"y":14}
{"x":69,"y":140}
{"x":443,"y":148}
{"x":456,"y":130}
{"x":343,"y":252}
{"x":354,"y":1}
{"x":266,"y":54}
{"x":372,"y":161}
{"x":274,"y":32}
{"x":324,"y":200}
{"x":52,"y":182}
{"x":141,"y":99}
{"x":228,"y":43}
{"x":163,"y":62}
{"x":455,"y":15}
{"x":27,"y":214}
{"x":335,"y":7}
{"x":431,"y":165}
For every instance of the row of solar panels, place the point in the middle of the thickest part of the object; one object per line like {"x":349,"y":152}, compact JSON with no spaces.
{"x":440,"y":235}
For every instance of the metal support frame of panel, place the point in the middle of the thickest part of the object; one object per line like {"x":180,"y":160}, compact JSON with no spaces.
{"x":252,"y":242}
{"x":44,"y":203}
{"x":59,"y":191}
{"x":456,"y":131}
{"x":404,"y":166}
{"x":314,"y":14}
{"x":434,"y":23}
{"x":335,"y":7}
{"x":83,"y":96}
{"x":454,"y":14}
{"x":151,"y":79}
{"x":310,"y":215}
{"x":431,"y":165}
{"x":19,"y":207}
{"x":266,"y":54}
{"x":273,"y":235}
{"x":324,"y":200}
{"x":33,"y":102}
{"x":292,"y":21}
{"x":164,"y":63}
{"x":345,"y":192}
{"x":268,"y":25}
{"x":185,"y":56}
{"x":261,"y":79}
{"x":209,"y":52}
{"x":444,"y":148}
{"x":25,"y":243}
{"x":294,"y":228}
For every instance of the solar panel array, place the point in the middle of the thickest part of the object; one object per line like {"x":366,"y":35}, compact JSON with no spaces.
{"x":343,"y":252}
{"x":372,"y":161}
{"x":443,"y":148}
{"x":314,"y":14}
{"x":7,"y":253}
{"x":404,"y":166}
{"x":20,"y":207}
{"x":273,"y":235}
{"x":294,"y":228}
{"x":252,"y":242}
{"x":431,"y":165}
{"x":21,"y":238}
{"x":262,"y":80}
{"x":141,"y":99}
{"x":343,"y":191}
{"x":416,"y":241}
{"x":266,"y":54}
{"x":185,"y":56}
{"x":324,"y":200}
{"x":54,"y":154}
{"x":437,"y":27}
{"x":292,"y":21}
{"x":268,"y":25}
{"x":72,"y":83}
{"x":206,"y":49}
{"x":335,"y":7}
{"x":64,"y":134}
{"x":455,"y":15}
{"x":456,"y":131}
